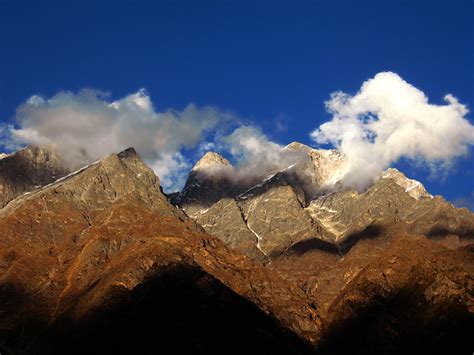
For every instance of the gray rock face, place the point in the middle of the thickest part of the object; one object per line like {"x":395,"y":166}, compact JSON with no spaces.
{"x":259,"y":218}
{"x":277,"y":219}
{"x":387,"y":202}
{"x":305,"y":201}
{"x":262,"y":225}
{"x":226,"y":219}
{"x":27,"y":169}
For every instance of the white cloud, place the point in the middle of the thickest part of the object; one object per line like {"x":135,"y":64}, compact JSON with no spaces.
{"x":255,"y":154}
{"x":248,"y":144}
{"x":389,"y":119}
{"x":173,"y":170}
{"x":86,"y":126}
{"x":205,"y":147}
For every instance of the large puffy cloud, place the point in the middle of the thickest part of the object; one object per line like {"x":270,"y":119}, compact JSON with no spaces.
{"x":389,"y":119}
{"x":86,"y":126}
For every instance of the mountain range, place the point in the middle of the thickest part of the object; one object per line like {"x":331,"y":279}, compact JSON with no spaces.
{"x":101,"y":260}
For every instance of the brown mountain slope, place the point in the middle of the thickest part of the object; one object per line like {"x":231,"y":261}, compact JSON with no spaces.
{"x":413,"y":298}
{"x":386,"y":202}
{"x":100,"y":260}
{"x":392,"y":292}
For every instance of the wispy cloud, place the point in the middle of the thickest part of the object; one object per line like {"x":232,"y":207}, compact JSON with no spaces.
{"x":255,"y":153}
{"x":86,"y":126}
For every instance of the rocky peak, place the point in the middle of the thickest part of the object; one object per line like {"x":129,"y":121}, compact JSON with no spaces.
{"x":113,"y":178}
{"x":298,"y":146}
{"x":210,"y":160}
{"x":413,"y":187}
{"x":323,"y":169}
{"x":207,"y":183}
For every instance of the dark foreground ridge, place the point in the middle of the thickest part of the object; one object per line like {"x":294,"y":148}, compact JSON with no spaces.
{"x":179,"y":310}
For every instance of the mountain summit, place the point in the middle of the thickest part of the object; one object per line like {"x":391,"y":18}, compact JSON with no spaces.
{"x":210,"y":160}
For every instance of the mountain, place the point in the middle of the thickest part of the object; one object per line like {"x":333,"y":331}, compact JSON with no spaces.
{"x":306,"y":200}
{"x":389,"y":269}
{"x":100,"y":261}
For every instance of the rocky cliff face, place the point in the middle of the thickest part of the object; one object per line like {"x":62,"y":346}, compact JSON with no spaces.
{"x":28,"y":169}
{"x":101,"y":260}
{"x":386,"y":202}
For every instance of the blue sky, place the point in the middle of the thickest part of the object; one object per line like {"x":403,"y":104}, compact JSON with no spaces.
{"x":266,"y":61}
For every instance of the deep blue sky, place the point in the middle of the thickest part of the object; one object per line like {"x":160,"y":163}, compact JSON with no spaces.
{"x":261,"y":59}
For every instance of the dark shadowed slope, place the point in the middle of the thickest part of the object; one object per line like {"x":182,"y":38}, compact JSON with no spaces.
{"x":392,"y":292}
